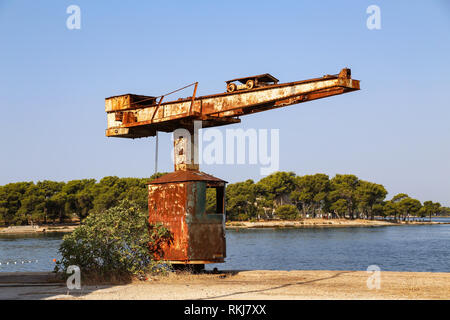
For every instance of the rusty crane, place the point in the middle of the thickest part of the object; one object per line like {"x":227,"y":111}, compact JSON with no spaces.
{"x":178,"y":199}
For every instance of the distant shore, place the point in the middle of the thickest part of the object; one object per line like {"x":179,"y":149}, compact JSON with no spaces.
{"x":38,"y":229}
{"x":306,"y":223}
{"x":318,"y":223}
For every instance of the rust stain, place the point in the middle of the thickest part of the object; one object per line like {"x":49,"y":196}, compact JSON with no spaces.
{"x":178,"y":200}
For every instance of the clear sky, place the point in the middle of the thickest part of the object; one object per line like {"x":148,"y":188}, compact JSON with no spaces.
{"x":394,"y":131}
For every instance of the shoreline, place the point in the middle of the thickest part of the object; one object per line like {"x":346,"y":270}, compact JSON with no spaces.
{"x":322,"y":223}
{"x":238,"y":285}
{"x":233,"y":225}
{"x":14,"y":230}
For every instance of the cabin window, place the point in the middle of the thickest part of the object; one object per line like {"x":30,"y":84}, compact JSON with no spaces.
{"x":215,"y":200}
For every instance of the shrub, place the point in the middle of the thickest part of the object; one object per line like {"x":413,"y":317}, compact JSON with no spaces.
{"x":287,"y":212}
{"x":117,"y":241}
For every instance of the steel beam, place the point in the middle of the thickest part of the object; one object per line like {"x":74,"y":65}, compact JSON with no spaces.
{"x":136,"y":116}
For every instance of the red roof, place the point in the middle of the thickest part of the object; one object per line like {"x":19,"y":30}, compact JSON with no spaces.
{"x":186,"y":175}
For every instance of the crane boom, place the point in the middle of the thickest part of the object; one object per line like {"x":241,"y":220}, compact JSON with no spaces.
{"x":137,"y":116}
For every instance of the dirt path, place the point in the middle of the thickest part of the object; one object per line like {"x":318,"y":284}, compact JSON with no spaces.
{"x":258,"y":284}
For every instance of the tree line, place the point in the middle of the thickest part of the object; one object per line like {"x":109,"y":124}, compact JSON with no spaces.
{"x":282,"y":195}
{"x":49,"y":201}
{"x":285,"y":195}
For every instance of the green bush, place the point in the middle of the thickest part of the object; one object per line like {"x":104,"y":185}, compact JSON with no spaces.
{"x":118,"y":241}
{"x":287,"y":212}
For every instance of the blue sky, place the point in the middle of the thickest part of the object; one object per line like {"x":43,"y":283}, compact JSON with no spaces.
{"x":394,"y":131}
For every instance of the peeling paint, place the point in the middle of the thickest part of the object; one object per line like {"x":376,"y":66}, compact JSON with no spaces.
{"x":178,"y":200}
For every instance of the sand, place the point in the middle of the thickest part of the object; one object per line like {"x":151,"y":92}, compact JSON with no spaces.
{"x":256,"y":284}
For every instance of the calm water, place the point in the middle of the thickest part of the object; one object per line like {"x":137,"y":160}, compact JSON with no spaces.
{"x":394,"y":248}
{"x":37,"y":252}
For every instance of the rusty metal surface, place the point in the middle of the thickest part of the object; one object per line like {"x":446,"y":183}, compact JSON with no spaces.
{"x":266,"y":77}
{"x":167,"y":205}
{"x":199,"y":237}
{"x":122,"y":102}
{"x":144,"y":119}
